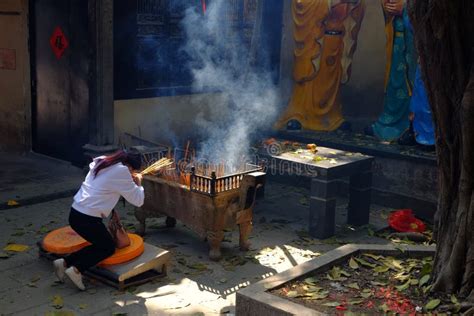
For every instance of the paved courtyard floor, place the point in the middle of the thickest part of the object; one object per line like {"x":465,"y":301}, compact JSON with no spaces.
{"x":194,"y":286}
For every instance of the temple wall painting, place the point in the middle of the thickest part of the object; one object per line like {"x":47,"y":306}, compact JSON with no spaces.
{"x":163,"y":90}
{"x":362,"y":96}
{"x":349,"y":74}
{"x":325,"y":39}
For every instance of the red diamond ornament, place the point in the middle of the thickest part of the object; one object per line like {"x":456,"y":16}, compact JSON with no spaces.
{"x":58,"y":42}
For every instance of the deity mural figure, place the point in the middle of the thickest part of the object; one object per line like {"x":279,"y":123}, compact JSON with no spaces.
{"x":421,"y":130}
{"x":325,"y":34}
{"x":421,"y":119}
{"x":399,"y":73}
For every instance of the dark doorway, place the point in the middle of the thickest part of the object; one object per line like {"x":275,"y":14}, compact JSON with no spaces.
{"x":60,"y":58}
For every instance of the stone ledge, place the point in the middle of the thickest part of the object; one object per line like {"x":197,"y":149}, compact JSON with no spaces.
{"x":376,"y":148}
{"x":42,"y":198}
{"x":255,"y":299}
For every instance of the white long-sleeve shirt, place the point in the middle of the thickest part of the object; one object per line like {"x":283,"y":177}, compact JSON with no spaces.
{"x":99,"y":194}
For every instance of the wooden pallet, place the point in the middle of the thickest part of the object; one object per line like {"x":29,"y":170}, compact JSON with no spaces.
{"x":152,"y":264}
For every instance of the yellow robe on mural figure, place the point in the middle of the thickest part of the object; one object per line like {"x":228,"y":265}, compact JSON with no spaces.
{"x":325,"y":35}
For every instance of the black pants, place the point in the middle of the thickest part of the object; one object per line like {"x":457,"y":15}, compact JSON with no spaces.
{"x":94,"y":231}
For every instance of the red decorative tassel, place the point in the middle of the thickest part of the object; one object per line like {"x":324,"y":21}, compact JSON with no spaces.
{"x":203,"y":6}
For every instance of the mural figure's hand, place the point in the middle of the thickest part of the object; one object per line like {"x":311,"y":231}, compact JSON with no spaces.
{"x":394,"y":7}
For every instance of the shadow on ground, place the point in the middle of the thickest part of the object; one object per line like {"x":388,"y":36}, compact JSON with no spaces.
{"x":195,"y":285}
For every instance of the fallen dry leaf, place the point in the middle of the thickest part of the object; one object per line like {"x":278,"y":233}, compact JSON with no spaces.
{"x":404,"y":286}
{"x":365,"y":263}
{"x":16,"y":248}
{"x":292,"y":294}
{"x":366,"y":294}
{"x":311,"y":281}
{"x":432,"y":304}
{"x":82,"y":306}
{"x":353,"y":264}
{"x":317,"y":296}
{"x":58,"y":302}
{"x":43,"y":230}
{"x":424,"y":279}
{"x":12,"y":203}
{"x":353,"y":286}
{"x":375,"y":257}
{"x":381,"y":269}
{"x":60,"y":313}
{"x":18,"y":233}
{"x":4,"y":255}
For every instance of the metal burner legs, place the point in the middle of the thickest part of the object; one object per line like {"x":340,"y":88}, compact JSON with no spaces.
{"x":245,"y":229}
{"x":214,"y":238}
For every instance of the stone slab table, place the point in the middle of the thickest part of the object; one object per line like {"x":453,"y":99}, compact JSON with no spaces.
{"x":325,"y":168}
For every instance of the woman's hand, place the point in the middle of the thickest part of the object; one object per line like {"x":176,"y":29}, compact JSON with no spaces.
{"x":137,"y":178}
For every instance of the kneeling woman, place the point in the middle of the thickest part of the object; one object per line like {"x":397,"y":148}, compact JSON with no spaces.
{"x":109,"y":178}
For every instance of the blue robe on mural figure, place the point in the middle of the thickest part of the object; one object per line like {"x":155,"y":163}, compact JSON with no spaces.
{"x":400,"y":75}
{"x":423,"y":127}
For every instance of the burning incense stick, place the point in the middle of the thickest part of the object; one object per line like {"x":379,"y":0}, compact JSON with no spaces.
{"x":157,"y":166}
{"x":186,"y":151}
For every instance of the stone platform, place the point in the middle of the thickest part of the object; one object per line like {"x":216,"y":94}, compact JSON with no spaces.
{"x":150,"y":265}
{"x":403,"y":176}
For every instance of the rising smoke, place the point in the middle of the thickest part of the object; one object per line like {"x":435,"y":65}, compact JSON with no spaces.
{"x":220,"y":61}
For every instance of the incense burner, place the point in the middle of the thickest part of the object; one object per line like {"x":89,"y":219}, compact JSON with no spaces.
{"x":207,"y":206}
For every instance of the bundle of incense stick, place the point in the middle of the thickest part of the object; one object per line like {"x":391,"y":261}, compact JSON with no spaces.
{"x":157,"y":166}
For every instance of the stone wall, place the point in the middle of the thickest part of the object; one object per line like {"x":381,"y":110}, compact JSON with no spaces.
{"x":362,"y":97}
{"x":15,"y":89}
{"x":402,"y":183}
{"x":166,"y":120}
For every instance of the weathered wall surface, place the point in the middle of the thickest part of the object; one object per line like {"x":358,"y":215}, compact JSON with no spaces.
{"x":406,"y":184}
{"x":362,"y":97}
{"x":15,"y":92}
{"x":166,"y":120}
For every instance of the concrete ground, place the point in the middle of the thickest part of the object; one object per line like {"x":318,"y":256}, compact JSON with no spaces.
{"x":32,"y":178}
{"x":195,"y":285}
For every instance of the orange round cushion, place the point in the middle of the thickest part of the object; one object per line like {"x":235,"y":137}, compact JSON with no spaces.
{"x":65,"y":240}
{"x":135,"y":249}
